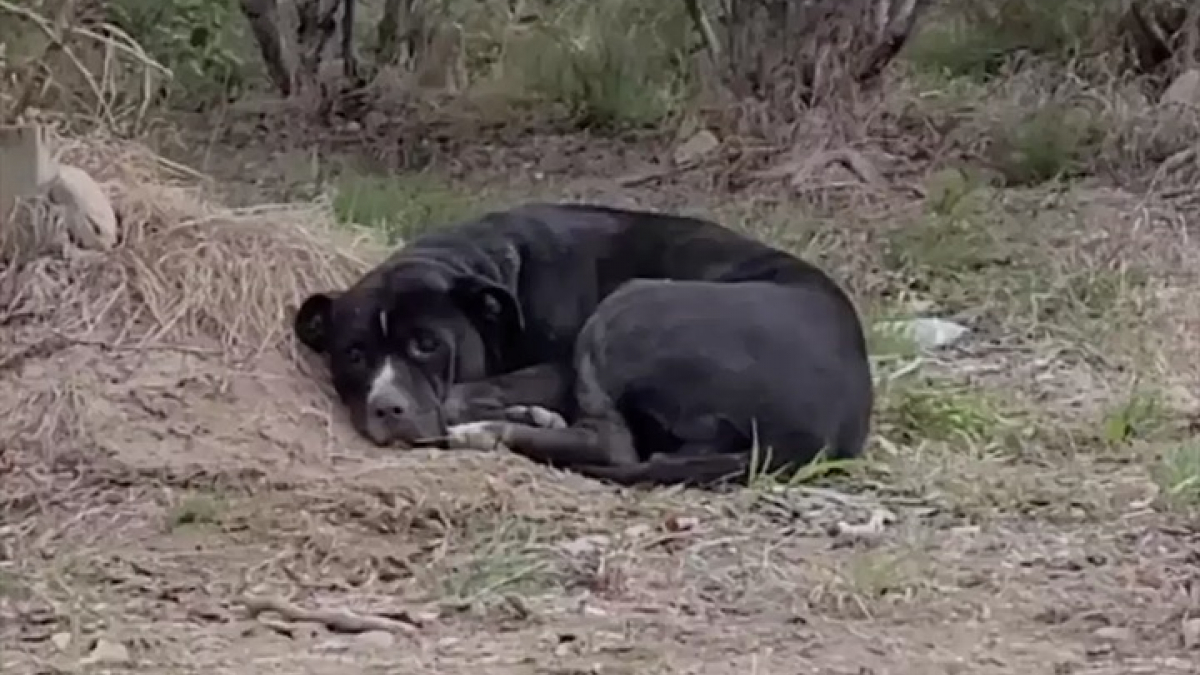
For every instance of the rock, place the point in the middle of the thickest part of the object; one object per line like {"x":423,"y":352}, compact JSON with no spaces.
{"x":704,"y":142}
{"x":1185,"y":90}
{"x":107,"y":653}
{"x":872,"y":529}
{"x":61,"y":640}
{"x":585,"y":545}
{"x":1191,"y":633}
{"x":376,"y":639}
{"x":677,"y":524}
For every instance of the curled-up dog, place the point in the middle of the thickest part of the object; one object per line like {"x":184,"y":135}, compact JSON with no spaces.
{"x":475,"y":318}
{"x":675,"y":381}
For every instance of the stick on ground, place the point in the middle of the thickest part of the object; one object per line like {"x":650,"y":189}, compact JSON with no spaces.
{"x":338,"y":621}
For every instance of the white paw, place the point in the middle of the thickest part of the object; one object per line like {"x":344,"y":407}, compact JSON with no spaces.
{"x":485,"y":435}
{"x":536,"y":416}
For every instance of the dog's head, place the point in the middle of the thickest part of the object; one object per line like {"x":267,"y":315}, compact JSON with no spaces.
{"x":396,"y":343}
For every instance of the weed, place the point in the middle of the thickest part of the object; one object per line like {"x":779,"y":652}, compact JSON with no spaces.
{"x":197,"y":510}
{"x":961,"y":260}
{"x":401,"y":206}
{"x":506,"y":560}
{"x":912,"y":412}
{"x":977,"y":38}
{"x":204,"y":44}
{"x":1178,"y":475}
{"x":867,"y":578}
{"x":1043,"y":144}
{"x":614,"y":65}
{"x":1139,"y":417}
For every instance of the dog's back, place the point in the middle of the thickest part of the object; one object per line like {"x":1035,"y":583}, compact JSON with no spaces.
{"x":701,"y":367}
{"x":562,"y":260}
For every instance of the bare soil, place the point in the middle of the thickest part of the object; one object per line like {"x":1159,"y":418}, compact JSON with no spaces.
{"x":165,"y":489}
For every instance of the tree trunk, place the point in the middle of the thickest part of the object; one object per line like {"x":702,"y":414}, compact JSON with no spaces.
{"x":400,"y":32}
{"x":317,"y":24}
{"x":264,"y":18}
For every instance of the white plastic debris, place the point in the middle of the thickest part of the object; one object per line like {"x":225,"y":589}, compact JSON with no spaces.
{"x":927,"y":333}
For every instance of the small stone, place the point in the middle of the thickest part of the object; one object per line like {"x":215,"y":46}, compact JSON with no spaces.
{"x":677,"y":524}
{"x":376,"y":639}
{"x":1185,"y":90}
{"x":61,"y":641}
{"x":1191,"y":633}
{"x":107,"y":652}
{"x":584,"y":545}
{"x":638,"y":531}
{"x":696,"y":147}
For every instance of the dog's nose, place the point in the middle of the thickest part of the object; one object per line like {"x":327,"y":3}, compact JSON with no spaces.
{"x":387,"y":406}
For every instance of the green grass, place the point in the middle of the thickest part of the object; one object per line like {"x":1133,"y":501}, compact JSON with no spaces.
{"x":1044,"y":144}
{"x":205,"y":43}
{"x":509,"y":558}
{"x":1008,"y":257}
{"x":1178,"y":475}
{"x":977,"y":38}
{"x":197,"y":510}
{"x":402,"y":206}
{"x":613,"y":65}
{"x":925,"y":410}
{"x":1142,"y":416}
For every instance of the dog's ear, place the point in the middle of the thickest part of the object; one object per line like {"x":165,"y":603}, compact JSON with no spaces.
{"x":311,"y":324}
{"x":492,"y":307}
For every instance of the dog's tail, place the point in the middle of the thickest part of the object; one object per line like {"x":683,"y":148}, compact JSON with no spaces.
{"x":687,"y":470}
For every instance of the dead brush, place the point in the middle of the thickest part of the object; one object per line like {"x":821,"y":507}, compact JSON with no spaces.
{"x":188,"y":272}
{"x":189,"y":278}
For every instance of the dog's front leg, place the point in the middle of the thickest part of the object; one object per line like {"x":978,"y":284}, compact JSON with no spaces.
{"x":590,"y":442}
{"x":511,"y":396}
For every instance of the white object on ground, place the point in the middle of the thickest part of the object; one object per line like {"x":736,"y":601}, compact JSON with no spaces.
{"x":90,"y":216}
{"x":27,"y":168}
{"x":927,"y":333}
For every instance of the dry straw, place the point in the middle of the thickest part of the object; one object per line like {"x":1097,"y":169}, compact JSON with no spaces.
{"x":188,"y":272}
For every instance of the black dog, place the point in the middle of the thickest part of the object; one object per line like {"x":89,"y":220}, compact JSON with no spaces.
{"x":472,"y":319}
{"x":677,"y":380}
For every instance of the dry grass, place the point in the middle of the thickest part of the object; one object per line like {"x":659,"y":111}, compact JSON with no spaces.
{"x":167,"y":453}
{"x":187,"y":271}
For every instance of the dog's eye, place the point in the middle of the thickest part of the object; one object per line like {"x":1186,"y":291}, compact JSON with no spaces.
{"x":423,"y":345}
{"x":355,"y":356}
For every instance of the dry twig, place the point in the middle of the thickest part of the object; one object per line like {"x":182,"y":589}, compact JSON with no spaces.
{"x":336,"y":620}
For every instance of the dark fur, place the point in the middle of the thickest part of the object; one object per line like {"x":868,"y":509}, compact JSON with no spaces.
{"x":504,"y":297}
{"x":677,"y":380}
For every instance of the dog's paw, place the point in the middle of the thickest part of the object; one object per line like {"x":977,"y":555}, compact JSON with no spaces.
{"x":475,"y":435}
{"x":535,"y":416}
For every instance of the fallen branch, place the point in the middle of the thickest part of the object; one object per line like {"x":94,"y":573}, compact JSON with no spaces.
{"x":801,"y":170}
{"x":338,"y":621}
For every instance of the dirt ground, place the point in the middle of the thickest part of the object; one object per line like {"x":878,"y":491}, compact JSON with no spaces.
{"x":1018,"y":513}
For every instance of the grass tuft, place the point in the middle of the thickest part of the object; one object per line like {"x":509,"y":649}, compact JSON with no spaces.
{"x":1178,"y":475}
{"x":402,"y":206}
{"x":617,"y":65}
{"x":978,"y":38}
